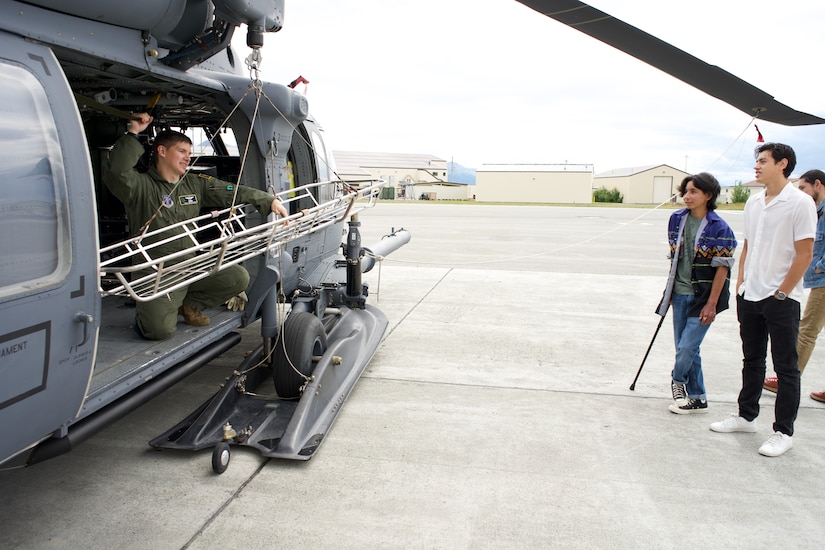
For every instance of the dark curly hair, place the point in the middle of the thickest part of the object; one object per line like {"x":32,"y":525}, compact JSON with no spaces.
{"x":704,"y":182}
{"x":780,"y":151}
{"x":812,"y":175}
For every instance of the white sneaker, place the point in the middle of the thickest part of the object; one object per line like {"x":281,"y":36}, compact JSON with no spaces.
{"x":734,"y":423}
{"x":776,"y":444}
{"x":691,"y":406}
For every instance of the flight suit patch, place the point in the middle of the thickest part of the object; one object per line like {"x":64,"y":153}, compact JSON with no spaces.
{"x":188,"y":199}
{"x":167,"y":201}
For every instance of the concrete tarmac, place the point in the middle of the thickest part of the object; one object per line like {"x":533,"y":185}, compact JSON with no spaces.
{"x":496,"y":414}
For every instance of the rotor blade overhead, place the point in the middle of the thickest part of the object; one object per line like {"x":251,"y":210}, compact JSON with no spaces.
{"x":709,"y":78}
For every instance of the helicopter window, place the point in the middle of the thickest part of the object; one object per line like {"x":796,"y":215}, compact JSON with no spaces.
{"x":323,"y":161}
{"x":33,"y":224}
{"x":217,"y":157}
{"x":325,"y":165}
{"x":202,"y":145}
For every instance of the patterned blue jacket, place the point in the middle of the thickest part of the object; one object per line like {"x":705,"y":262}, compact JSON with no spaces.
{"x":715,"y":245}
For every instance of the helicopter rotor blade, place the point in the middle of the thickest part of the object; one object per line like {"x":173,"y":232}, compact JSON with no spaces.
{"x":711,"y":79}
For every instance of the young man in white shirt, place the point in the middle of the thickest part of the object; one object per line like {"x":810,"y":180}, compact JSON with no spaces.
{"x":780,"y":225}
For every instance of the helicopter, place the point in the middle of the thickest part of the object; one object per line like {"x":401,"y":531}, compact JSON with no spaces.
{"x":72,"y":270}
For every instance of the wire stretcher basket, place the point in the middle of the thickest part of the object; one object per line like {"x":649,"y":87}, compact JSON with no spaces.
{"x":212,"y":242}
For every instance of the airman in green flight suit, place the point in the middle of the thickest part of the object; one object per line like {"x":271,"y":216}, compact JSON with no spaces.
{"x":168,"y":194}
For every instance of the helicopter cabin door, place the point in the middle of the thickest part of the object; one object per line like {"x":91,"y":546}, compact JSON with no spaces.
{"x":49,"y":299}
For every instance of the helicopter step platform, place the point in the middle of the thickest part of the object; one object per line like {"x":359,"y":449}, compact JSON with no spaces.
{"x":246,"y":411}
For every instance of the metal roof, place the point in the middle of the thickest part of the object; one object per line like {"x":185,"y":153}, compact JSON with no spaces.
{"x":632,"y":171}
{"x":388,"y":160}
{"x":535,"y":168}
{"x":624,"y":172}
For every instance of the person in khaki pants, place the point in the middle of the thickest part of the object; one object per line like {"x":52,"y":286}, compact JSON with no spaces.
{"x":811,"y":182}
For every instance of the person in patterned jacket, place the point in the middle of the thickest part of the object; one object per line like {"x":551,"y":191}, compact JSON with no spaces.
{"x":698,"y":287}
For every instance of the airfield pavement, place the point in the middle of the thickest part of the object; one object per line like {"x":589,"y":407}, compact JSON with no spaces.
{"x":496,"y":414}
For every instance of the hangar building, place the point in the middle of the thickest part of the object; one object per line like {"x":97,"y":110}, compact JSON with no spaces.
{"x":408,"y":176}
{"x":538,"y":183}
{"x":643,"y":185}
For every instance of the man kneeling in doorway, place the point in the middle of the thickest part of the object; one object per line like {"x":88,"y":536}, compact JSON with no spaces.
{"x":168,"y":193}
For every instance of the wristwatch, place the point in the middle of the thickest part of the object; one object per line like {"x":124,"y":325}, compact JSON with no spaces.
{"x":779,"y":295}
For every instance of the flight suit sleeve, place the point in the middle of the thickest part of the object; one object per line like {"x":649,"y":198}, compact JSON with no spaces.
{"x":259,"y":199}
{"x":219,"y":193}
{"x":120,"y":173}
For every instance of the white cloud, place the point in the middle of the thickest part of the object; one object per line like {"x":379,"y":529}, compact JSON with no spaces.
{"x":492,"y":81}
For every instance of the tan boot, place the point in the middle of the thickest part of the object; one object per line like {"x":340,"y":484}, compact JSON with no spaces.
{"x":192,"y":317}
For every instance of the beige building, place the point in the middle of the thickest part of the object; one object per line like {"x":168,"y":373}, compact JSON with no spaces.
{"x":753,"y":188}
{"x":443,"y":191}
{"x":726,"y":196}
{"x":643,"y":185}
{"x":410,"y":176}
{"x":539,"y":183}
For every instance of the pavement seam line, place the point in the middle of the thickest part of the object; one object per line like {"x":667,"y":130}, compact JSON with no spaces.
{"x":226,"y":503}
{"x":418,"y":303}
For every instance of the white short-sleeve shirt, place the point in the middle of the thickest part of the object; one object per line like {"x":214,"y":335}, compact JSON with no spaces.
{"x":771,"y":231}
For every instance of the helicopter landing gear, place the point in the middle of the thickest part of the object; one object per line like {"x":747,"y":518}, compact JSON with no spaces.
{"x":285,"y":428}
{"x":300,"y":345}
{"x":220,"y":457}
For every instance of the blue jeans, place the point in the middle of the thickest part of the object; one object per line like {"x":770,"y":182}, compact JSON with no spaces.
{"x":688,"y":334}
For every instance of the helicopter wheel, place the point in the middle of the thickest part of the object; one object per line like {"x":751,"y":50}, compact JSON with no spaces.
{"x":302,"y":339}
{"x":220,"y":457}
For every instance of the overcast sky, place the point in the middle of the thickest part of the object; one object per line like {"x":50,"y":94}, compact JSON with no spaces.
{"x":492,"y":81}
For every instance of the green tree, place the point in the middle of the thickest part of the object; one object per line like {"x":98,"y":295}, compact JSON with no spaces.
{"x":739,"y":193}
{"x":603,"y":195}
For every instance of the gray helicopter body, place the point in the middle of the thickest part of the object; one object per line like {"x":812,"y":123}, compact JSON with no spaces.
{"x":70,"y":361}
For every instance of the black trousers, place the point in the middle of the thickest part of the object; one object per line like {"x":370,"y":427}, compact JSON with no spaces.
{"x":779,"y":321}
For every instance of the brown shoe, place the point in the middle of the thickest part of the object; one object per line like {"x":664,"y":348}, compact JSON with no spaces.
{"x":818,"y":396}
{"x":193,"y":317}
{"x":770,"y":383}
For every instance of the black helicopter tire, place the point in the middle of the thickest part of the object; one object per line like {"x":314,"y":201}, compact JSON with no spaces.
{"x":302,"y":339}
{"x":220,"y":457}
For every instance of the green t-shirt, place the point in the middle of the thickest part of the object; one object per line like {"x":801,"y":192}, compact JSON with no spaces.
{"x":687,"y":251}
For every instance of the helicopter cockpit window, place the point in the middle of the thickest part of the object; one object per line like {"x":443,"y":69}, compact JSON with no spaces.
{"x":202,"y":145}
{"x":218,"y":156}
{"x":33,"y":223}
{"x":326,"y":166}
{"x":322,"y":159}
